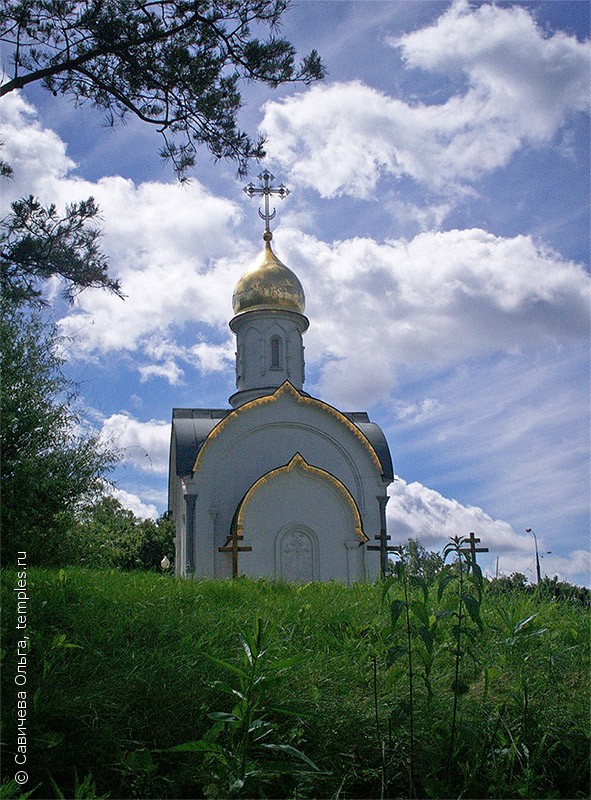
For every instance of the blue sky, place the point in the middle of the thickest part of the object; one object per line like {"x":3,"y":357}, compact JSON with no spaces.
{"x":439,"y":222}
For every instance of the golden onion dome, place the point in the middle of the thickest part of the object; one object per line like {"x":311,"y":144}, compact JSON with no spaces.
{"x":269,"y":284}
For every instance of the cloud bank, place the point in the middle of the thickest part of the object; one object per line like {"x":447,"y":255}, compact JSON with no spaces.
{"x":511,"y":86}
{"x":416,"y":512}
{"x":429,"y":303}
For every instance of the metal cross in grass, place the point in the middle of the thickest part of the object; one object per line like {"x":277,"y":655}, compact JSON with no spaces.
{"x":472,"y":541}
{"x":233,"y":547}
{"x":266,"y":190}
{"x":384,"y":549}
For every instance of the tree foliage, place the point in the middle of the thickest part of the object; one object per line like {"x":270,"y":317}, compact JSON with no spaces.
{"x":516,"y":582}
{"x":50,"y":464}
{"x":175,"y":64}
{"x":109,"y":535}
{"x":36,"y":243}
{"x":548,"y":588}
{"x":420,"y":562}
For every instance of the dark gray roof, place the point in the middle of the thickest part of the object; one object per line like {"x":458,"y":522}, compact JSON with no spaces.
{"x":375,"y":435}
{"x":192,"y":426}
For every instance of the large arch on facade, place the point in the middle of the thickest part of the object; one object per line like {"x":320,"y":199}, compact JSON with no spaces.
{"x":299,"y":464}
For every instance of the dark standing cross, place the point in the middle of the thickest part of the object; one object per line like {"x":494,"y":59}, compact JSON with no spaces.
{"x":384,"y":549}
{"x":233,"y":547}
{"x":266,"y":190}
{"x":472,"y":549}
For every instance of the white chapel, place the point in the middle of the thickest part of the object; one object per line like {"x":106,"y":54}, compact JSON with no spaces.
{"x":281,"y":484}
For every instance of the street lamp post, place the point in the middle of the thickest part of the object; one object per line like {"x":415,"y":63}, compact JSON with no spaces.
{"x":538,"y":572}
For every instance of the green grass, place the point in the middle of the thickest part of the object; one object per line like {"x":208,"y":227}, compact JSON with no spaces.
{"x":120,"y":669}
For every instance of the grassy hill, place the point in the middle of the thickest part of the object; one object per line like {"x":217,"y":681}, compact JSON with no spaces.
{"x":283,"y":691}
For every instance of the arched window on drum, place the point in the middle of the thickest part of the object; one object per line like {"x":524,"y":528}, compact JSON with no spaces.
{"x":276,"y":353}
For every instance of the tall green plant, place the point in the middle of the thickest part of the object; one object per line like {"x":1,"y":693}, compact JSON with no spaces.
{"x":434,"y":610}
{"x":469,"y":599}
{"x":239,"y":747}
{"x":396,"y":609}
{"x":419,"y":633}
{"x":83,"y":790}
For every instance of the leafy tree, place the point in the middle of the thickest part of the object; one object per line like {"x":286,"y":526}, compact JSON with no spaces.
{"x":5,"y":168}
{"x":174,"y":64}
{"x":551,"y":588}
{"x":109,"y":535}
{"x":36,"y":243}
{"x":50,"y":464}
{"x":516,"y":582}
{"x":155,"y":539}
{"x":420,"y":562}
{"x":99,"y":530}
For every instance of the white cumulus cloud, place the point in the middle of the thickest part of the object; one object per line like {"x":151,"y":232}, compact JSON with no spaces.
{"x":134,"y":503}
{"x":144,"y":444}
{"x":173,"y":247}
{"x":36,"y":154}
{"x":513,"y":85}
{"x":427,"y":303}
{"x":416,"y":512}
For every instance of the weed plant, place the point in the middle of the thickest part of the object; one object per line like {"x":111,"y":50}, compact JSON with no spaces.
{"x":145,"y":686}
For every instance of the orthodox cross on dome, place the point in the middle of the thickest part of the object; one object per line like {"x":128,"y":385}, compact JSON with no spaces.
{"x":232,"y":546}
{"x":267,"y":190}
{"x":472,"y":541}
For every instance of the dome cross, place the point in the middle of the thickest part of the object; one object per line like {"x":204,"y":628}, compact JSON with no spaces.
{"x":267,"y":190}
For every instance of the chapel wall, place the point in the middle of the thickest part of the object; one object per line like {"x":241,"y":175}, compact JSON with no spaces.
{"x":300,"y":528}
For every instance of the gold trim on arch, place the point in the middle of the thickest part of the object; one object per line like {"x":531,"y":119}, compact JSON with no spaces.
{"x":287,"y":388}
{"x":299,"y":463}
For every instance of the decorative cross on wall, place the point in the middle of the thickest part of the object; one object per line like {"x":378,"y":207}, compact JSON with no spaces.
{"x":267,"y":190}
{"x":232,"y":546}
{"x":472,"y":541}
